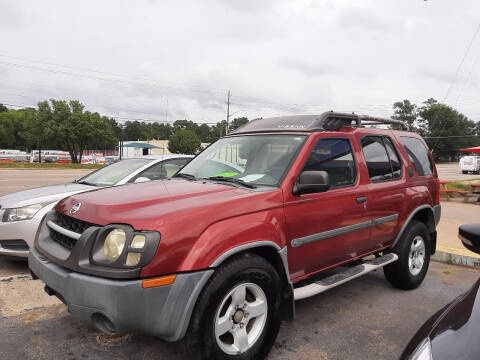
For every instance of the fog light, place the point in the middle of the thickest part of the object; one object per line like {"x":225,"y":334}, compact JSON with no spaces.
{"x":132,"y":259}
{"x":138,"y":242}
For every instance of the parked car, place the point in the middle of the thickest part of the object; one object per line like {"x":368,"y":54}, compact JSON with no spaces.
{"x":21,"y":212}
{"x":280,"y":210}
{"x":452,"y":333}
{"x":470,"y":164}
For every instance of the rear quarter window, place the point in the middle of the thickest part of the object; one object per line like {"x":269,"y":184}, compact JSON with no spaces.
{"x":418,"y":155}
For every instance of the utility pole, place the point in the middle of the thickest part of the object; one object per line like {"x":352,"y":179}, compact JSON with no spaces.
{"x":228,"y":111}
{"x":166,"y":113}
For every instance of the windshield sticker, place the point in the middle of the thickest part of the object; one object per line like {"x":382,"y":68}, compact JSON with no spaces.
{"x":227,"y":174}
{"x":252,"y":177}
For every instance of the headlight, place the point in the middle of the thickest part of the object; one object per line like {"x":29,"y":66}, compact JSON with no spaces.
{"x":114,"y":243}
{"x":423,"y":352}
{"x":22,"y":213}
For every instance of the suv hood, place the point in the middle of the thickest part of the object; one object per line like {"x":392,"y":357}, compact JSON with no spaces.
{"x":49,"y":193}
{"x":156,"y":204}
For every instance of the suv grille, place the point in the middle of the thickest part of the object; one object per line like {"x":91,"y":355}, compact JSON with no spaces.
{"x":63,"y":240}
{"x":69,"y":223}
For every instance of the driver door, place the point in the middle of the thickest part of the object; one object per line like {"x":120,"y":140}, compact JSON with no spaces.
{"x":328,"y":228}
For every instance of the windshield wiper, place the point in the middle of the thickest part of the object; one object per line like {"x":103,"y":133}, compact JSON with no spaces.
{"x":185,"y":176}
{"x":232,"y":180}
{"x":85,"y":183}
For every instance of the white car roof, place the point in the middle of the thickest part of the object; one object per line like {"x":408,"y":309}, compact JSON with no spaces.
{"x":163,"y":157}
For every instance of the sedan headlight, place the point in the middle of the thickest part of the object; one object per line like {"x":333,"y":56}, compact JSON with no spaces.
{"x":114,"y":244}
{"x":423,"y":352}
{"x":22,"y":213}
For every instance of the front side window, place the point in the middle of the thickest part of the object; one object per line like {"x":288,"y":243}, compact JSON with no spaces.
{"x":112,"y":174}
{"x":254,"y":159}
{"x":172,"y":166}
{"x":417,"y":153}
{"x":336,"y":158}
{"x":381,"y":158}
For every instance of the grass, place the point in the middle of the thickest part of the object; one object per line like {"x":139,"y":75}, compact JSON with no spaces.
{"x":20,"y":165}
{"x":458,"y":185}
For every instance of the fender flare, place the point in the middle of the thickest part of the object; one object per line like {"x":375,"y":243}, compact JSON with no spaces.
{"x":288,"y":301}
{"x":409,"y":219}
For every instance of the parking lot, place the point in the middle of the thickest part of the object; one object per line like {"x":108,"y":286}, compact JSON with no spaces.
{"x":366,"y":318}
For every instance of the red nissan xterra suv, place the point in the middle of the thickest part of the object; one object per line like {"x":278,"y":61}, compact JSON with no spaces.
{"x":280,"y":210}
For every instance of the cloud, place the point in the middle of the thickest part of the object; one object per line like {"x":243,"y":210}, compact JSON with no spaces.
{"x":307,"y":68}
{"x":276,"y":57}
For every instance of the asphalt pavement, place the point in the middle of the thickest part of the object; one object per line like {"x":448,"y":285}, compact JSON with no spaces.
{"x":363,"y":319}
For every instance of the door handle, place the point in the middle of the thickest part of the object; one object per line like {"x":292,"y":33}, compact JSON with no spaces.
{"x":361,"y":199}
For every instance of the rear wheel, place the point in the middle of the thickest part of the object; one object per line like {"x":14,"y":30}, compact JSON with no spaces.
{"x":237,"y":314}
{"x":413,"y":250}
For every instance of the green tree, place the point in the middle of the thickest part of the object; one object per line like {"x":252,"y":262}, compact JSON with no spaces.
{"x":184,"y":142}
{"x":72,"y":128}
{"x":39,"y":132}
{"x":446,"y":130}
{"x":236,"y":123}
{"x":407,"y":112}
{"x":3,"y":108}
{"x":12,"y":124}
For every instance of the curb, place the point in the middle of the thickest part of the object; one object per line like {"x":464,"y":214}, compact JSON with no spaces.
{"x":456,"y":259}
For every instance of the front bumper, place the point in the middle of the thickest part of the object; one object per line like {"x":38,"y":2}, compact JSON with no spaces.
{"x":17,"y":230}
{"x":24,"y":230}
{"x":123,"y":305}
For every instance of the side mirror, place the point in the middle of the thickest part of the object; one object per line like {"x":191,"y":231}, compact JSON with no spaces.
{"x":141,"y":179}
{"x":309,"y":182}
{"x":470,"y":236}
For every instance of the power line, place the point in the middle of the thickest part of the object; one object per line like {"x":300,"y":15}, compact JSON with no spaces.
{"x":101,"y":106}
{"x":450,"y":136}
{"x":115,"y":116}
{"x":109,"y":73}
{"x":461,"y":62}
{"x":62,"y":72}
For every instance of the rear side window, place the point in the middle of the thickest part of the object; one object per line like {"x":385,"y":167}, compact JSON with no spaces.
{"x":417,"y":153}
{"x":381,"y":159}
{"x":392,"y":154}
{"x":335,"y":157}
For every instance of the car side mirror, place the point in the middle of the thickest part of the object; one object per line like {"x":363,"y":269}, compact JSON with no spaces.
{"x":141,"y":179}
{"x":309,"y":182}
{"x":470,"y":236}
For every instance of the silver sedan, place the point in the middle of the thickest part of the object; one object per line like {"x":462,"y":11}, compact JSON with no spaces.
{"x":21,"y":212}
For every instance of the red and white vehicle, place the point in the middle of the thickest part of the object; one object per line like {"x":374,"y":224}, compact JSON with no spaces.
{"x":470,"y":163}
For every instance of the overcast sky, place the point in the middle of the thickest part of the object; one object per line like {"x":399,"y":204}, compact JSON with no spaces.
{"x":128,"y":59}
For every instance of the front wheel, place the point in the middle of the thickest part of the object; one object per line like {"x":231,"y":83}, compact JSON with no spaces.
{"x":413,"y":250}
{"x":237,"y":314}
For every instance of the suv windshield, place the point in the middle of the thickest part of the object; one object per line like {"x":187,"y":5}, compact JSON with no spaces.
{"x":253,"y":159}
{"x":111,"y":174}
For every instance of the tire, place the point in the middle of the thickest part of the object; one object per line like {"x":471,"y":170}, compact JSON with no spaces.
{"x":405,"y":273}
{"x":464,"y":172}
{"x":223,"y":295}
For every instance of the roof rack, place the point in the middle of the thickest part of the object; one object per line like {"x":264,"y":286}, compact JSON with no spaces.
{"x":327,"y":121}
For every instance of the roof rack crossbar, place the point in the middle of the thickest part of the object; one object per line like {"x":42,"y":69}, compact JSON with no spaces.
{"x":371,"y":120}
{"x":327,"y":121}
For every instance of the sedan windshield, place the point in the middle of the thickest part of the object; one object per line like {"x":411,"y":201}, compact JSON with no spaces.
{"x":251,"y":159}
{"x":112,"y":174}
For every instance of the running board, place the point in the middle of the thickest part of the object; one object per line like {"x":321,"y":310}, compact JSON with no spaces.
{"x":327,"y":283}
